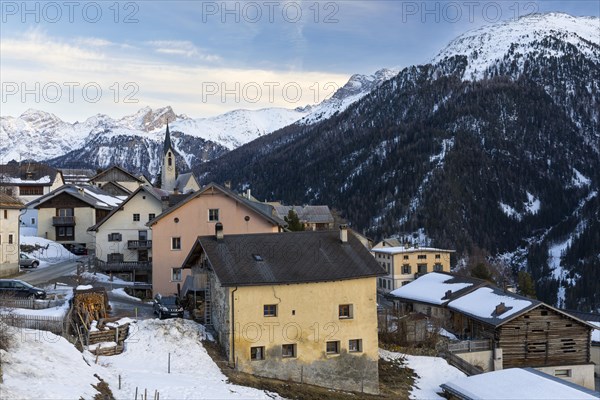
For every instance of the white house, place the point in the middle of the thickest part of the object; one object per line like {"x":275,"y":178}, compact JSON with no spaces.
{"x":123,"y":241}
{"x":9,"y":234}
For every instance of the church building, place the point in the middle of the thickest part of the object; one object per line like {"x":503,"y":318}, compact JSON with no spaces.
{"x":171,"y":180}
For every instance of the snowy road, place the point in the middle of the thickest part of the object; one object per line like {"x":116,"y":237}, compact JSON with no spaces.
{"x":52,"y":272}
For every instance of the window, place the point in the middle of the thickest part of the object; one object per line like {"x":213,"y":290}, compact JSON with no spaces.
{"x":333,"y":347}
{"x":288,"y":351}
{"x":355,"y":345}
{"x":213,"y":214}
{"x":32,"y":221}
{"x":437,"y":267}
{"x":5,"y":214}
{"x":142,"y":235}
{"x":437,"y":257}
{"x":136,"y":217}
{"x":10,"y":238}
{"x":257,"y":353}
{"x":176,"y":243}
{"x":345,"y":310}
{"x":406,"y":269}
{"x":31,"y":190}
{"x":64,"y":233}
{"x":151,"y":216}
{"x":405,"y":257}
{"x":114,"y":237}
{"x":175,"y":274}
{"x":114,"y":258}
{"x":422,"y":257}
{"x":422,"y":268}
{"x":169,"y":160}
{"x":270,"y":310}
{"x":562,"y":373}
{"x":65,"y":212}
{"x":380,"y":282}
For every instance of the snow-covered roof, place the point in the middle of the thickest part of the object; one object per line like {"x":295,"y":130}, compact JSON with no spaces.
{"x":595,"y":332}
{"x":91,"y":195}
{"x":517,"y":384}
{"x":432,"y":288}
{"x":402,"y":249}
{"x":481,"y":304}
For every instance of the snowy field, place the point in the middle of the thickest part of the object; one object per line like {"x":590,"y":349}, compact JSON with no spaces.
{"x":45,"y":366}
{"x":432,"y":372}
{"x":50,"y":251}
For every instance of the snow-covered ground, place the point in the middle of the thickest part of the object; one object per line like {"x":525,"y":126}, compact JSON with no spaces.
{"x":42,"y":365}
{"x":49,"y":252}
{"x":98,"y":277}
{"x":432,"y":372}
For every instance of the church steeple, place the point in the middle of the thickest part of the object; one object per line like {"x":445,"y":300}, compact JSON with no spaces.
{"x":169,"y":170}
{"x":167,"y":145}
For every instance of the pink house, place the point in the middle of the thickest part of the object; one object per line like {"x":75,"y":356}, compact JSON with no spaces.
{"x":175,"y":231}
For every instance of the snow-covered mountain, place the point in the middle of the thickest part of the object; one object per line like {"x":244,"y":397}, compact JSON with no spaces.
{"x":514,"y":39}
{"x":491,"y":149}
{"x":99,"y":140}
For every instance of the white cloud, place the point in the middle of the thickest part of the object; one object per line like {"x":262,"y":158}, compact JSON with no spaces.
{"x":142,"y":72}
{"x":183,"y":48}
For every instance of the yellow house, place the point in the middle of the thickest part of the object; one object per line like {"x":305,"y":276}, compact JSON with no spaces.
{"x":123,"y":240}
{"x":176,"y":229}
{"x":404,"y":264}
{"x":9,"y":234}
{"x":297,"y":306}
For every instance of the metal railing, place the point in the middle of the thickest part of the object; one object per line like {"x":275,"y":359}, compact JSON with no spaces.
{"x":63,"y":221}
{"x":139,"y":244}
{"x":123,"y":266}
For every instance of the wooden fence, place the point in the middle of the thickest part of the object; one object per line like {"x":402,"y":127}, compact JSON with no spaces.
{"x":469,"y":346}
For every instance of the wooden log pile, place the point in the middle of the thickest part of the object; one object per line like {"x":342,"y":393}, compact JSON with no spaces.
{"x":107,"y":338}
{"x":89,"y":305}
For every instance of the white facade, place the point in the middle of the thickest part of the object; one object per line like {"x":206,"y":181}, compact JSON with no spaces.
{"x":124,"y":226}
{"x":9,"y":241}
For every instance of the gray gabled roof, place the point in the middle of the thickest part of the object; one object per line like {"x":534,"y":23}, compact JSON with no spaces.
{"x":182,"y":180}
{"x":260,"y":208}
{"x":281,"y":258}
{"x":122,"y":170}
{"x":154,"y":192}
{"x":9,"y":202}
{"x":310,"y":214}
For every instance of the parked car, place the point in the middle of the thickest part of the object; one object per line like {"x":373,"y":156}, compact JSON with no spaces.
{"x":18,"y":288}
{"x":28,"y":262}
{"x":167,"y":306}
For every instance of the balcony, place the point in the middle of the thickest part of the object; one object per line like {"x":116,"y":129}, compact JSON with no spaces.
{"x":63,"y":221}
{"x":123,"y":266}
{"x":139,"y":244}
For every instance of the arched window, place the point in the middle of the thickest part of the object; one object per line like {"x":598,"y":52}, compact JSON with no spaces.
{"x":170,"y":160}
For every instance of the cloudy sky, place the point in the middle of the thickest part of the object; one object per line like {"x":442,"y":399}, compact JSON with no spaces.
{"x":79,"y":58}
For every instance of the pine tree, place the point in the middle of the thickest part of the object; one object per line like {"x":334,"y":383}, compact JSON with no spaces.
{"x":526,"y":285}
{"x":293,"y":222}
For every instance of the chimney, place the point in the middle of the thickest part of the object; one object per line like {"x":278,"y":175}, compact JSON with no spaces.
{"x":500,"y":308}
{"x":344,"y":233}
{"x":164,"y":200}
{"x":228,"y":184}
{"x":219,"y":231}
{"x":406,"y":245}
{"x":448,"y":294}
